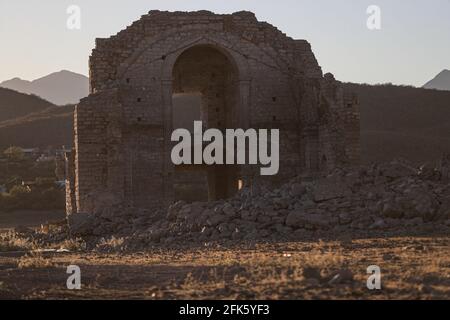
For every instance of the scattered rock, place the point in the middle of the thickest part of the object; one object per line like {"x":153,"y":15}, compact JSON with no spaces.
{"x":376,"y":198}
{"x":297,"y":190}
{"x":342,"y":276}
{"x":312,"y":273}
{"x":22,"y":230}
{"x":295,"y":219}
{"x":378,"y":224}
{"x":398,"y":170}
{"x":327,"y":190}
{"x":81,"y":224}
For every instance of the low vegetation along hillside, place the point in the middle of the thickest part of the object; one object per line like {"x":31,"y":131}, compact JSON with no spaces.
{"x":14,"y":104}
{"x":405,"y":122}
{"x":396,"y":121}
{"x":29,"y":121}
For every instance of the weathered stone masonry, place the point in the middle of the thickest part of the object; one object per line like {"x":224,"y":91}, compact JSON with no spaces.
{"x":249,"y":75}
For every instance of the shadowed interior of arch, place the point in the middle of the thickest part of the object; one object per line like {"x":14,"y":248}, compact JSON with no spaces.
{"x":205,"y":88}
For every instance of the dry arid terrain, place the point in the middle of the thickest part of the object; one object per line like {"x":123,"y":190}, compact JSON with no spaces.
{"x":412,"y":268}
{"x":304,"y":240}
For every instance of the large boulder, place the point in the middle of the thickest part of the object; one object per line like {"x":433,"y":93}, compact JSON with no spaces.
{"x":81,"y":224}
{"x":299,"y":219}
{"x":397,"y":169}
{"x":295,"y":219}
{"x":297,"y":190}
{"x":324,"y":190}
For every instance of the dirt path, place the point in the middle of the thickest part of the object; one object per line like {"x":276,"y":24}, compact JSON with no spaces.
{"x":412,"y":268}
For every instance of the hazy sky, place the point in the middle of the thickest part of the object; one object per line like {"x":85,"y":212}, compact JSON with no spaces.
{"x":412,"y":46}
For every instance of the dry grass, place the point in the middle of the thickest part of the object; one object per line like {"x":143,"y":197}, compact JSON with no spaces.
{"x":112,"y":244}
{"x":73,"y":245}
{"x":412,"y":268}
{"x":13,"y":242}
{"x":34,"y":261}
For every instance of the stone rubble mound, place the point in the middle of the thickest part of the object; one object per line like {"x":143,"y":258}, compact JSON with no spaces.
{"x":393,"y":197}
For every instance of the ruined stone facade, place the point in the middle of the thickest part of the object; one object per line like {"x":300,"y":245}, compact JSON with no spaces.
{"x":245,"y":73}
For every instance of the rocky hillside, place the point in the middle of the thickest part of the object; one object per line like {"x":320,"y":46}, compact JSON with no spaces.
{"x":14,"y":104}
{"x":29,"y":121}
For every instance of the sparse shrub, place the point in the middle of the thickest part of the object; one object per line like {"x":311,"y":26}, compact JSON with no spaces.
{"x":3,"y":288}
{"x":19,"y":191}
{"x":111,"y":245}
{"x":73,"y":244}
{"x":13,"y":242}
{"x":34,"y":260}
{"x":14,"y":153}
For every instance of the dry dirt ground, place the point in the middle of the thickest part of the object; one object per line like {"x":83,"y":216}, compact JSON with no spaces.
{"x":412,"y":268}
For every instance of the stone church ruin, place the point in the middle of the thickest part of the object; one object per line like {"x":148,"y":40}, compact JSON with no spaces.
{"x":229,"y":71}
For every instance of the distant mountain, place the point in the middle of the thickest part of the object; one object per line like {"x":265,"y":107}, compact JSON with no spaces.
{"x":60,"y":88}
{"x":440,"y":82}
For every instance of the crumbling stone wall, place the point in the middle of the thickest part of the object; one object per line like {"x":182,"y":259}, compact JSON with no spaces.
{"x":256,"y":77}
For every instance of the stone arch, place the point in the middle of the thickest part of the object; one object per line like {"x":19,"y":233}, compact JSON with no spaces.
{"x":241,"y":105}
{"x":206,"y":70}
{"x":237,"y":59}
{"x":241,"y":68}
{"x":243,"y":100}
{"x":172,"y":53}
{"x":203,"y":71}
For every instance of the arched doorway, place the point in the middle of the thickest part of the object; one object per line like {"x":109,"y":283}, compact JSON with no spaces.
{"x":205,"y":88}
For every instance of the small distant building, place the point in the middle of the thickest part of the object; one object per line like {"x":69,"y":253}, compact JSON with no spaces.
{"x":38,"y":184}
{"x":45,"y":158}
{"x":29,"y":183}
{"x":60,"y":184}
{"x":30,"y":152}
{"x":61,"y":152}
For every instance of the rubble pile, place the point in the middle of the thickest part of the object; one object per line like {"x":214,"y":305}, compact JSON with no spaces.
{"x":393,"y":197}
